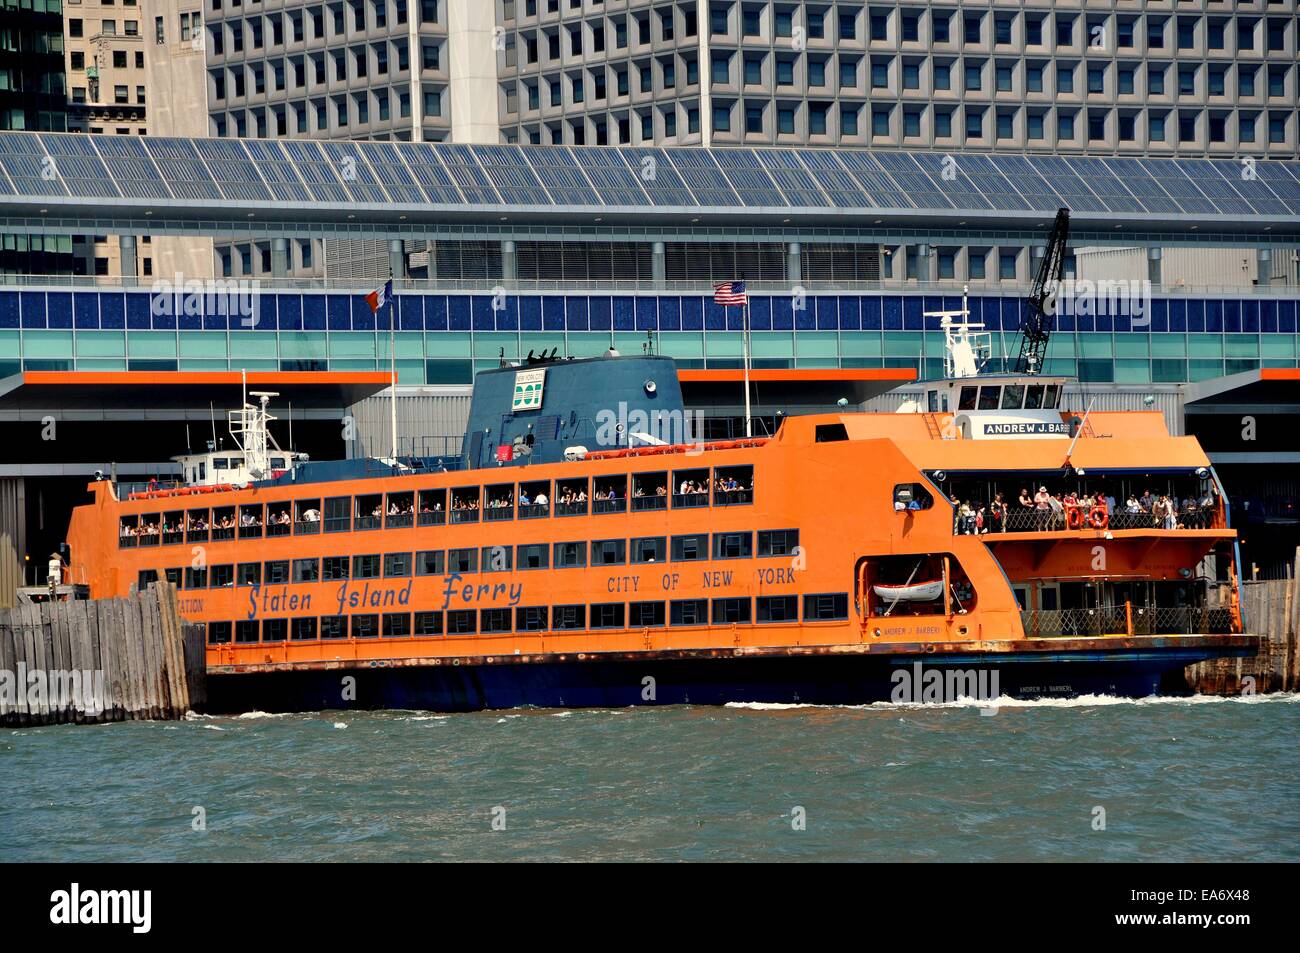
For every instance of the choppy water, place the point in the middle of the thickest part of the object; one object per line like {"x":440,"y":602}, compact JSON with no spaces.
{"x":1190,"y":779}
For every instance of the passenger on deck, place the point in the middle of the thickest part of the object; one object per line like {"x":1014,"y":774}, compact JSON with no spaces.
{"x":540,"y":499}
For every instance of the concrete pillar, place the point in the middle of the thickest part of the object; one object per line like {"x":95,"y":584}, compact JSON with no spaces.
{"x":794,"y":263}
{"x":1264,"y":265}
{"x":397,"y":259}
{"x":1036,"y":255}
{"x":126,"y":246}
{"x":1153,"y":267}
{"x":925,"y":264}
{"x":658,"y":265}
{"x":993,"y":265}
{"x":279,"y":258}
{"x":509,"y":261}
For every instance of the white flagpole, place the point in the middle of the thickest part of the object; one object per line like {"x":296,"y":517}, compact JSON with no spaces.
{"x":744,"y":312}
{"x":392,"y":369}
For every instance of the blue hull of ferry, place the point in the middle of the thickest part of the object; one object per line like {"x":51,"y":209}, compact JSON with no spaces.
{"x":821,"y":680}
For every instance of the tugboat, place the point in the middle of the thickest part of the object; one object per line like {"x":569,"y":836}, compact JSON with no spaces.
{"x":564,"y":560}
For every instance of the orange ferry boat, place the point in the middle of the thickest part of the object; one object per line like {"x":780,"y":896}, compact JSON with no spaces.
{"x":574,"y":555}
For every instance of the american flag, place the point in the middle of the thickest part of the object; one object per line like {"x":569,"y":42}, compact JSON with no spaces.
{"x":730,"y":292}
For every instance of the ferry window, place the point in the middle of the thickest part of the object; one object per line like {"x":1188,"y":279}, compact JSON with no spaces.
{"x":400,"y":511}
{"x":966,"y":401}
{"x":369,"y":511}
{"x":1051,"y":397}
{"x":365,"y":626}
{"x":570,"y":497}
{"x":249,"y":574}
{"x":608,"y":552}
{"x":726,"y":611}
{"x":173,"y":576}
{"x":530,"y":618}
{"x":650,"y":491}
{"x":148,"y":529}
{"x":690,"y":488}
{"x":303,"y":630}
{"x":196,"y":578}
{"x":830,"y":433}
{"x":534,"y":499}
{"x":365,"y":567}
{"x":278,"y":520}
{"x":495,"y":620}
{"x":609,"y":495}
{"x":429,"y":562}
{"x":276,"y":572}
{"x":645,"y":615}
{"x":912,"y":496}
{"x":825,"y":605}
{"x":196,"y":526}
{"x":607,"y":615}
{"x":567,"y":555}
{"x":397,"y":565}
{"x":173,"y":527}
{"x":275,"y":630}
{"x":220,"y":463}
{"x":1034,"y":397}
{"x":689,"y":548}
{"x":218,"y":633}
{"x":428,"y":623}
{"x":146,"y":579}
{"x":650,"y":549}
{"x":498,"y":558}
{"x":464,"y":504}
{"x":989,"y":398}
{"x":223,"y":523}
{"x":307,"y":516}
{"x":334,"y":567}
{"x":733,"y":545}
{"x":250,"y":521}
{"x":127,"y":531}
{"x":397,"y":625}
{"x":222,"y":576}
{"x":338,"y":514}
{"x":333,"y":627}
{"x":569,"y":617}
{"x":778,"y":608}
{"x":277,"y":463}
{"x":688,"y":612}
{"x":462,"y":622}
{"x":777,"y":542}
{"x":462,"y":560}
{"x":433,"y":507}
{"x":733,"y":485}
{"x":500,"y":502}
{"x":246,"y":630}
{"x":306,"y":570}
{"x":1013,"y":395}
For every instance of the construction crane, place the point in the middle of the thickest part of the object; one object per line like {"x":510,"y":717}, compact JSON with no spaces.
{"x":1036,"y":328}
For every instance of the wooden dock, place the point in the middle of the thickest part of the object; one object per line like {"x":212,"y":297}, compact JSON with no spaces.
{"x":79,"y":661}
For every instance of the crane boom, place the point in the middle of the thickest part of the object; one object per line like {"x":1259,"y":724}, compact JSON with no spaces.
{"x":1040,"y":316}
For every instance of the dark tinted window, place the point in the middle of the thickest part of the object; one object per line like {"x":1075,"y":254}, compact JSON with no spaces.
{"x":645,"y":614}
{"x":826,"y":605}
{"x":687,"y":548}
{"x":689,"y":612}
{"x":777,"y":542}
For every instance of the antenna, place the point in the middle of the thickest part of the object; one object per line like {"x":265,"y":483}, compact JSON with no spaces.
{"x":1079,"y":433}
{"x":212,"y":415}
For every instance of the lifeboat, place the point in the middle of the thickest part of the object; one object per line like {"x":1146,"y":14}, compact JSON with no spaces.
{"x":913,"y":592}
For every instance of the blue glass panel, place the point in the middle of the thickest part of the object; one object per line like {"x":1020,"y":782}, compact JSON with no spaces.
{"x":735,"y":318}
{"x":1159,"y":315}
{"x":577,"y":313}
{"x":1268,"y":317}
{"x":193,"y":322}
{"x":339,"y":312}
{"x":715,"y":316}
{"x":1177,"y":315}
{"x":1122,"y":322}
{"x":599,"y":313}
{"x":112,"y":310}
{"x":530,"y":313}
{"x":871,"y":314}
{"x":893,"y":312}
{"x":827,"y":311}
{"x":760,"y":312}
{"x":137,"y":312}
{"x":85,"y":307}
{"x":1104,"y":322}
{"x":1286,"y":316}
{"x":458,"y":313}
{"x":9,"y":309}
{"x":624,"y":316}
{"x":646,"y":314}
{"x":363,"y":319}
{"x":266,"y":315}
{"x":1085,"y":322}
{"x":314,"y":313}
{"x":507,"y":313}
{"x":1196,"y":315}
{"x":59,"y":305}
{"x":692,"y":313}
{"x":670,"y":314}
{"x":435,"y":313}
{"x":1064,"y":322}
{"x":484,"y":316}
{"x":805,"y":319}
{"x":1218,"y":314}
{"x":553,"y":313}
{"x":289,"y":307}
{"x":912,"y":308}
{"x":850,"y":308}
{"x":1250,"y":316}
{"x":783,"y":314}
{"x":410,"y":310}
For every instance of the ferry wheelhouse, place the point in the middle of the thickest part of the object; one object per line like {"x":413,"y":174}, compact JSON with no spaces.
{"x":571,"y":555}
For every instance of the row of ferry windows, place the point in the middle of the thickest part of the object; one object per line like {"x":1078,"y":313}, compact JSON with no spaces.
{"x":817,"y":607}
{"x":530,"y":499}
{"x":437,"y":562}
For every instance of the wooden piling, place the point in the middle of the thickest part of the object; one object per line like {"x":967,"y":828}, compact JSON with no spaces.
{"x":110,"y":660}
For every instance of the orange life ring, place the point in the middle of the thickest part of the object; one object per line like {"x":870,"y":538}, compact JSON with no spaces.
{"x":1099,"y":518}
{"x":1073,"y":517}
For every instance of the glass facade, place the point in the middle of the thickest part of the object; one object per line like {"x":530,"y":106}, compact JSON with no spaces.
{"x":444,"y":338}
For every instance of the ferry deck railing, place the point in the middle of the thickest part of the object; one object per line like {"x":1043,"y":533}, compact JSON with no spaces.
{"x":1127,"y":619}
{"x":1022,"y":520}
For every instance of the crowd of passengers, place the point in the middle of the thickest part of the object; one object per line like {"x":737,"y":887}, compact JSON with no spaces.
{"x":1046,"y":511}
